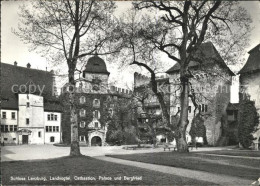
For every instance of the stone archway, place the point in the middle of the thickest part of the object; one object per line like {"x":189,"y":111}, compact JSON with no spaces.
{"x":96,"y":141}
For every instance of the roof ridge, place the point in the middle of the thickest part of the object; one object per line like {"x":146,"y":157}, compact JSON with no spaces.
{"x":25,"y":68}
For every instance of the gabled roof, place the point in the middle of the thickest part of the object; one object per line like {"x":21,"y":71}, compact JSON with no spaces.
{"x":15,"y":76}
{"x":253,"y":61}
{"x":210,"y":56}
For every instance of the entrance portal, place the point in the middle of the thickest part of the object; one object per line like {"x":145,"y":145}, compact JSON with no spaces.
{"x":25,"y":139}
{"x":96,"y":141}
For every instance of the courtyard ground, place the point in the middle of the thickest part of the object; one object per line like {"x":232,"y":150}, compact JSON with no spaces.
{"x":243,"y":167}
{"x":200,"y":167}
{"x":97,"y":171}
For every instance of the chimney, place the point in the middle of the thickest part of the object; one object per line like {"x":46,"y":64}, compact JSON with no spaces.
{"x":28,"y":65}
{"x":15,"y":63}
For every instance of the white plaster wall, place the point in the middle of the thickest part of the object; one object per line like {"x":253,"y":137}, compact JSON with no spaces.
{"x":9,"y":120}
{"x":35,"y":112}
{"x":10,"y":136}
{"x":56,"y":135}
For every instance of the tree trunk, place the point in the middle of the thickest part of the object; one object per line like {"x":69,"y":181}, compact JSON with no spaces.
{"x":74,"y":148}
{"x":182,"y":125}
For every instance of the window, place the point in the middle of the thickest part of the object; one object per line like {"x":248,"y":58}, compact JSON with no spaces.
{"x":49,"y":117}
{"x":82,"y":138}
{"x":14,"y":139}
{"x":110,"y":111}
{"x":96,"y":114}
{"x":82,"y":112}
{"x":82,"y":99}
{"x":4,"y":115}
{"x":5,"y":139}
{"x":52,"y":139}
{"x":96,"y":124}
{"x":39,"y":134}
{"x":206,"y":108}
{"x":203,"y":108}
{"x":52,"y":117}
{"x":82,"y":124}
{"x":96,"y":103}
{"x":27,"y":104}
{"x":47,"y":129}
{"x":11,"y":128}
{"x":15,"y":127}
{"x":13,"y":115}
{"x":50,"y":128}
{"x":2,"y":128}
{"x":27,"y":121}
{"x":189,"y":109}
{"x":6,"y":128}
{"x":55,"y":117}
{"x":57,"y":128}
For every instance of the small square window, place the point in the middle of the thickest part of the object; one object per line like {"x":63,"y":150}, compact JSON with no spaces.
{"x":4,"y":115}
{"x":13,"y":115}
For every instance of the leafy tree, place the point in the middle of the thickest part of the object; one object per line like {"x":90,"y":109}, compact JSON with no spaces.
{"x":121,"y":122}
{"x":247,"y":123}
{"x":66,"y":32}
{"x":182,"y":28}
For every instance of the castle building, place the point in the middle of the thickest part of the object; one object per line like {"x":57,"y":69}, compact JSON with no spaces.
{"x":95,"y":102}
{"x":210,"y":84}
{"x":250,"y":81}
{"x":149,"y":109}
{"x":30,"y":110}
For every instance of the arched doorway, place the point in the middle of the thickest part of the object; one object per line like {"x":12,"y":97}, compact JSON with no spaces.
{"x":96,"y":141}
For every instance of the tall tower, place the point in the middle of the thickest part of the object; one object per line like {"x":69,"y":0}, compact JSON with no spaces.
{"x":96,"y":75}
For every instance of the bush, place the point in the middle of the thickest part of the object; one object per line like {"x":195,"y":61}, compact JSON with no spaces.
{"x":248,"y":122}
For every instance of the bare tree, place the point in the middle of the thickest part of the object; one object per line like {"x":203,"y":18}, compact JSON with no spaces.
{"x":67,"y":31}
{"x":183,"y":27}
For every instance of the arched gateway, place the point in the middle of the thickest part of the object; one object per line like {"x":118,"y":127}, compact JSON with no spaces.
{"x":96,"y":141}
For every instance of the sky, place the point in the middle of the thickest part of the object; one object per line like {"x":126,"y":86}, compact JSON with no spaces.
{"x":13,"y":49}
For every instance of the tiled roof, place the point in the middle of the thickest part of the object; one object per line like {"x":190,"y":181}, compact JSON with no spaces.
{"x":253,"y":61}
{"x":15,"y":75}
{"x":209,"y":52}
{"x":96,"y":65}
